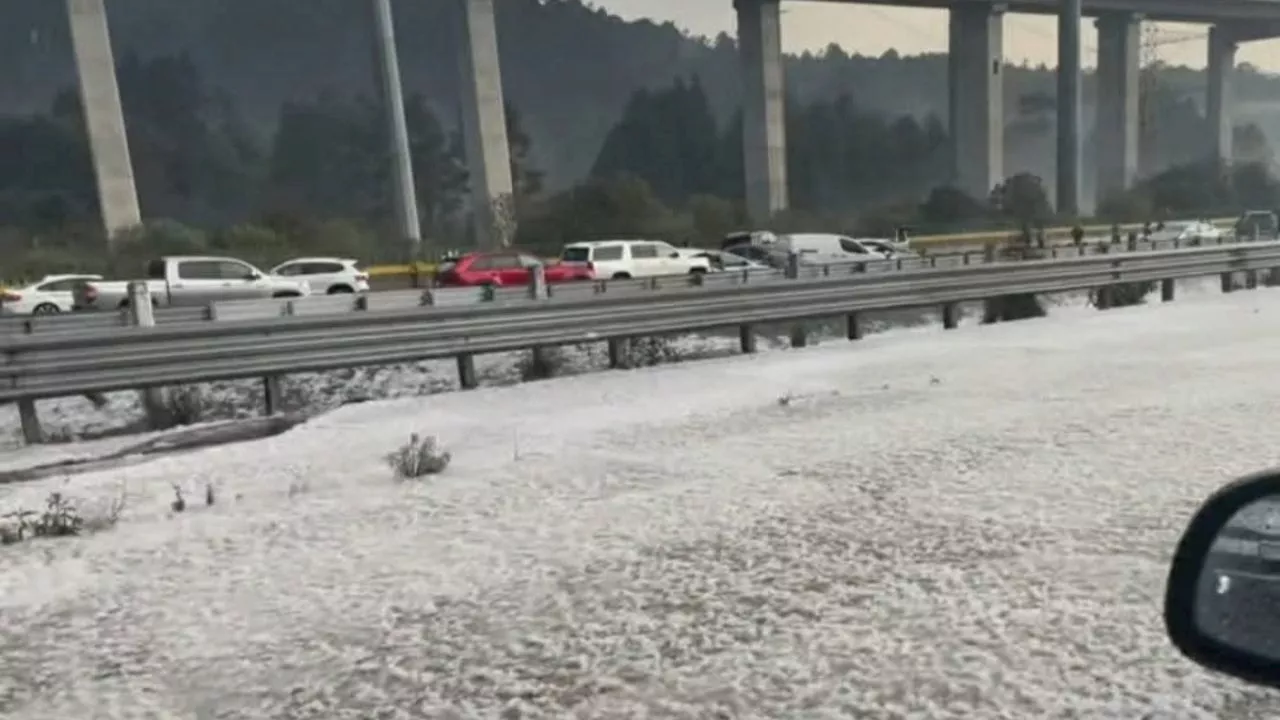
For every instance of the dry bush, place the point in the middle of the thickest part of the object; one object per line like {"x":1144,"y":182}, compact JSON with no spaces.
{"x":419,"y":457}
{"x":1012,"y":307}
{"x":652,"y":350}
{"x":182,"y":405}
{"x":542,"y":364}
{"x":61,"y":517}
{"x":1122,"y":295}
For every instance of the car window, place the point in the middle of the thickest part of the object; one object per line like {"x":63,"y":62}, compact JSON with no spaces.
{"x":484,"y":262}
{"x":289,"y":270}
{"x":852,"y":246}
{"x":607,"y":252}
{"x":322,"y":268}
{"x":877,"y":245}
{"x":231,"y":270}
{"x":665,"y":249}
{"x":200,"y":270}
{"x":644,"y":251}
{"x":65,"y":285}
{"x":731,"y":260}
{"x":504,"y":262}
{"x":576,"y":254}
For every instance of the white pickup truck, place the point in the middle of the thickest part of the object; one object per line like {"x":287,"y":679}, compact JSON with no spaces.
{"x":192,"y":280}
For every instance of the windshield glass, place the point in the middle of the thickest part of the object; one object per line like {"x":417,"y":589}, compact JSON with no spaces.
{"x":576,"y":254}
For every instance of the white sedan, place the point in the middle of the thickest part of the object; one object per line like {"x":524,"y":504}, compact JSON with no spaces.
{"x":1186,"y":231}
{"x":50,"y":295}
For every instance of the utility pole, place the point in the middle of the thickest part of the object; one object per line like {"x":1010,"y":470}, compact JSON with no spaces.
{"x":405,"y":196}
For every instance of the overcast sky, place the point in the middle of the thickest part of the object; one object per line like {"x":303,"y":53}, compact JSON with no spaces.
{"x":872,"y":29}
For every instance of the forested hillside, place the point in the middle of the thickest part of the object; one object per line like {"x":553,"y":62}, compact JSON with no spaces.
{"x":251,"y":120}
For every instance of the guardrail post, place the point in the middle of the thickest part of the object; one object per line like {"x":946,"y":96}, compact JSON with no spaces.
{"x":1228,"y":282}
{"x":1166,"y":290}
{"x":142,"y":313}
{"x":32,"y":433}
{"x":793,"y":265}
{"x":467,"y":372}
{"x":271,"y":395}
{"x":853,"y":326}
{"x":619,"y":353}
{"x":1251,"y":279}
{"x":538,"y":291}
{"x":747,"y":338}
{"x":989,"y":253}
{"x":951,"y":316}
{"x":799,"y":335}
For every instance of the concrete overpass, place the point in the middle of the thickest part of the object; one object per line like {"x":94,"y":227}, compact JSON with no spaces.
{"x":976,"y":50}
{"x":976,"y":112}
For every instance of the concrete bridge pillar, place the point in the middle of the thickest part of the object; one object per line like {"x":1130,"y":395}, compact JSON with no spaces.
{"x":1119,"y":41}
{"x":103,"y":116}
{"x":1069,"y":107}
{"x":1221,"y":66}
{"x":976,"y":77}
{"x":484,"y":128}
{"x":764,"y":131}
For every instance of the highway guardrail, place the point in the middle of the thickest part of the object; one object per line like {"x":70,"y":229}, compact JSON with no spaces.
{"x":43,"y":365}
{"x":467,"y":296}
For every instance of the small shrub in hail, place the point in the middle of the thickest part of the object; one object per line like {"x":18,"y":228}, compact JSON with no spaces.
{"x":419,"y":457}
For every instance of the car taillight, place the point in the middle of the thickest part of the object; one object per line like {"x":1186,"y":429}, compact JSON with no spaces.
{"x":9,"y":296}
{"x":362,"y":277}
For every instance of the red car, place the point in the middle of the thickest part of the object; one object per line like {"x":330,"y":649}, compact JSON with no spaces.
{"x":506,"y":268}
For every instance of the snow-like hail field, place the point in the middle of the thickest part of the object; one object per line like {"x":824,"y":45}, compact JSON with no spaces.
{"x":970,"y":524}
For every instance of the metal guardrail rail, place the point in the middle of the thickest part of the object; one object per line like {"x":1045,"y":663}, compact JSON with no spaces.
{"x":45,"y":365}
{"x":474,"y":296}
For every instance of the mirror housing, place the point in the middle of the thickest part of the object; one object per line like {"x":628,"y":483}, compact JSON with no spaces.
{"x":252,"y":275}
{"x":675,"y":254}
{"x":1224,"y":580}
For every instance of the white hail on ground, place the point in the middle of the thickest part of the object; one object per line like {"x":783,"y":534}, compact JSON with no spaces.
{"x":971,"y":524}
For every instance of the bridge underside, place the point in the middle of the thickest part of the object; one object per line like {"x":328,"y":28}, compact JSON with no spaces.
{"x":1191,"y":11}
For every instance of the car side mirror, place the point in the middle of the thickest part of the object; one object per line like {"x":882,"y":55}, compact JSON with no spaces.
{"x":252,"y":275}
{"x":1222,"y":599}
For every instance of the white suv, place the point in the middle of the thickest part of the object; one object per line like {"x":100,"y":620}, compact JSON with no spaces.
{"x":326,"y":275}
{"x":615,"y":259}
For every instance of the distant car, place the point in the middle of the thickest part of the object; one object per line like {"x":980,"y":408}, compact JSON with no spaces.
{"x":1186,"y":231}
{"x":191,"y":280}
{"x":619,"y":259}
{"x":748,"y":237}
{"x":761,"y":254}
{"x":823,"y":248}
{"x":729,"y":262}
{"x":50,"y":295}
{"x":328,"y":276}
{"x":506,"y":269}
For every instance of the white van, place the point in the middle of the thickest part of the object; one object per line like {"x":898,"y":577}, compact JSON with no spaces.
{"x":828,"y":248}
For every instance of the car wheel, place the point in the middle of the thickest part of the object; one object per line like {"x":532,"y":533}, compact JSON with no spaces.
{"x":46,"y":309}
{"x":697,"y":271}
